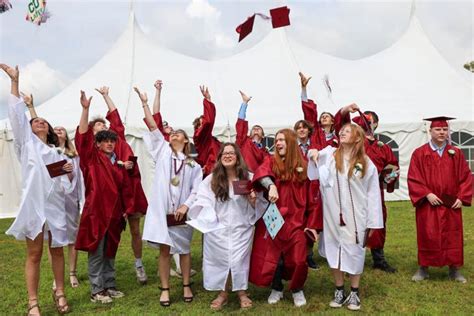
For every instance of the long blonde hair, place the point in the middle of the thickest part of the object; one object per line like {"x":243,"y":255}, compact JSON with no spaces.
{"x":358,"y":155}
{"x":69,"y":148}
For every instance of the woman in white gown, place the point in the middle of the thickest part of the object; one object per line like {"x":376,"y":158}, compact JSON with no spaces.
{"x":42,"y":203}
{"x":177,"y":177}
{"x":227,"y":249}
{"x":351,"y":208}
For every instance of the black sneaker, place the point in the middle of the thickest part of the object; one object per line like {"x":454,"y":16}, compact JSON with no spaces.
{"x":311,"y":263}
{"x":384,"y":266}
{"x":353,"y":301}
{"x":338,"y":300}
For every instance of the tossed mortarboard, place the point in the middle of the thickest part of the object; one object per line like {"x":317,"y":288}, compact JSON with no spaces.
{"x":245,"y":28}
{"x":280,"y":17}
{"x":439,"y":121}
{"x":363,"y":121}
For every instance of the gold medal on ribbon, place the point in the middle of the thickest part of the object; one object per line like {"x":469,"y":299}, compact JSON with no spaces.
{"x":175,"y":181}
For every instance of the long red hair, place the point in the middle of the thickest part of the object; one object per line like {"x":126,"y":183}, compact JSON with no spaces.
{"x":358,"y":155}
{"x":293,"y":166}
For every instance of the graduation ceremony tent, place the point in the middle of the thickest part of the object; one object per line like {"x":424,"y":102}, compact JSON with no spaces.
{"x":403,"y":83}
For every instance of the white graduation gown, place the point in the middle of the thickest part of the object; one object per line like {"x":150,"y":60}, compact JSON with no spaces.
{"x":338,"y":244}
{"x":73,"y":200}
{"x":227,"y":249}
{"x":166,"y":198}
{"x":43,"y":198}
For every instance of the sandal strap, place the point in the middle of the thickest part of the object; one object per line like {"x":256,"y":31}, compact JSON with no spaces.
{"x":188,"y":285}
{"x":164,"y":288}
{"x":72,"y":273}
{"x":30,"y":307}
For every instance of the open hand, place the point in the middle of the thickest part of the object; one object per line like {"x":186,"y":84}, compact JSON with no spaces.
{"x":205,"y":93}
{"x":142,"y":95}
{"x":304,"y":80}
{"x":28,"y":99}
{"x":181,"y":212}
{"x":103,"y":90}
{"x":13,"y":73}
{"x":457,"y":204}
{"x":158,"y":84}
{"x":85,"y":102}
{"x":434,"y":200}
{"x":245,"y":98}
{"x":313,"y":232}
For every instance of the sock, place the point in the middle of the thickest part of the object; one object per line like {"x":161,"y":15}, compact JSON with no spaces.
{"x":340,"y":288}
{"x":355,"y":289}
{"x":138,"y":263}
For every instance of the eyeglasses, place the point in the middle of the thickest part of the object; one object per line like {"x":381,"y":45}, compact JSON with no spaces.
{"x":228,"y":153}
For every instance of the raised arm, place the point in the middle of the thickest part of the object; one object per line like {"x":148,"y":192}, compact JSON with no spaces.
{"x":241,"y":126}
{"x":28,"y":99}
{"x":14,"y":75}
{"x":150,"y":122}
{"x":204,"y":132}
{"x":310,"y":110}
{"x":304,"y":82}
{"x":157,"y":101}
{"x":104,"y":91}
{"x":84,"y":122}
{"x":343,"y":116}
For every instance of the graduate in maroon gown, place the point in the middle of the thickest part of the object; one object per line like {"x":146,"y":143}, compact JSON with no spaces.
{"x":125,"y":153}
{"x":207,"y":146}
{"x":439,"y":183}
{"x":109,"y":200}
{"x":284,"y":176}
{"x":251,"y":146}
{"x":387,"y":167}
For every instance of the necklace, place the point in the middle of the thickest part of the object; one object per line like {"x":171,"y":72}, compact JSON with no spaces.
{"x":175,"y":179}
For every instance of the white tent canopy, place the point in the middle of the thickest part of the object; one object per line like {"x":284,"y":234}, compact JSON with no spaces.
{"x":403,"y":83}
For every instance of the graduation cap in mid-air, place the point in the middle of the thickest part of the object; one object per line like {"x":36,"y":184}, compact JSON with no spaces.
{"x":280,"y":17}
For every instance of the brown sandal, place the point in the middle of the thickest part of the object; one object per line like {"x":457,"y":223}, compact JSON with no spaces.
{"x":62,"y":309}
{"x":30,"y":307}
{"x":245,"y":301}
{"x":73,"y":279}
{"x":219,"y":302}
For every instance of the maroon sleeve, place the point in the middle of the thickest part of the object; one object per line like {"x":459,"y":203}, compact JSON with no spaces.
{"x":390,"y":160}
{"x":417,"y":188}
{"x":310,"y":112}
{"x":264,"y":170}
{"x":465,"y":179}
{"x":242,"y":129}
{"x":314,"y":211}
{"x":116,"y":123}
{"x":340,"y":120}
{"x":84,"y":145}
{"x":203,"y":134}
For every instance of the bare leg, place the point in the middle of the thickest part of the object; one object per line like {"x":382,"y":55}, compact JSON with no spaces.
{"x":51,"y":264}
{"x":164,"y":269}
{"x":338,"y":277}
{"x":57,"y":262}
{"x":72,"y":253}
{"x":185,"y":263}
{"x":134,"y":223}
{"x":34,"y":251}
{"x":355,"y":280}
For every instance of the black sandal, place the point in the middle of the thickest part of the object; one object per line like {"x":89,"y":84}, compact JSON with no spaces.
{"x":168,"y":302}
{"x":188,"y":299}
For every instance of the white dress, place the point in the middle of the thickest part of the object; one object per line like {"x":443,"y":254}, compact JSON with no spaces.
{"x":227,"y":249}
{"x":166,"y":198}
{"x":43,"y":197}
{"x":338,"y":244}
{"x":74,"y":200}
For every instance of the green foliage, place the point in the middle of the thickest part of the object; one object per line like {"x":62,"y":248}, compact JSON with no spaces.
{"x":380,"y":292}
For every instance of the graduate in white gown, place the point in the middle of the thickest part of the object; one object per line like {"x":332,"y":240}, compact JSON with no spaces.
{"x":177,"y":177}
{"x":42,"y":206}
{"x":229,"y":219}
{"x":351,"y":207}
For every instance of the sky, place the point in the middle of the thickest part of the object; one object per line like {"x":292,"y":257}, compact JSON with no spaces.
{"x":79,"y":33}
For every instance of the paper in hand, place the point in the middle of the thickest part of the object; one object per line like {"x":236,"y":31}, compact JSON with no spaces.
{"x":273,"y":220}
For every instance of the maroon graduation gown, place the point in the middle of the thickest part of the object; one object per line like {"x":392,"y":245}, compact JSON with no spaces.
{"x":298,"y":211}
{"x":253,"y":156}
{"x":381,"y":155}
{"x":108,"y":197}
{"x":123,"y":152}
{"x":207,"y":146}
{"x":439,"y":228}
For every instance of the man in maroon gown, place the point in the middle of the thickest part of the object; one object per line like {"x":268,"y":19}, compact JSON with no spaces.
{"x":439,"y":183}
{"x":387,"y":167}
{"x":252,"y":149}
{"x":207,"y":146}
{"x":109,"y":201}
{"x":284,"y":176}
{"x":125,"y":153}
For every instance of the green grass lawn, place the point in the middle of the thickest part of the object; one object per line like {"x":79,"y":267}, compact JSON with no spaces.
{"x":380,"y":292}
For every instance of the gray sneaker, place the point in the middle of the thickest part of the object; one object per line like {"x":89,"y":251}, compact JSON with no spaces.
{"x":420,"y":275}
{"x":353,"y":301}
{"x":141,"y":275}
{"x":338,"y":299}
{"x":114,"y":293}
{"x":455,"y":275}
{"x":101,"y":297}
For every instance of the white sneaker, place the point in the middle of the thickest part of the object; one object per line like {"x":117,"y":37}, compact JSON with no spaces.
{"x":353,"y":301}
{"x":299,"y":299}
{"x":101,"y":297}
{"x":114,"y":293}
{"x":141,"y":275}
{"x":275,"y":297}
